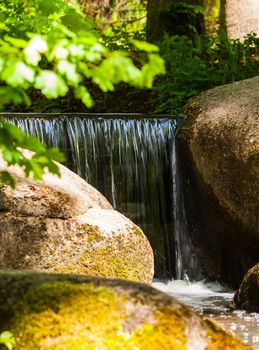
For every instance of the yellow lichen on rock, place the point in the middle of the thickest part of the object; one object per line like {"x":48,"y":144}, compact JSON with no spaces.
{"x":66,"y":312}
{"x":221,"y":339}
{"x":167,"y":334}
{"x":66,"y":316}
{"x":81,"y":316}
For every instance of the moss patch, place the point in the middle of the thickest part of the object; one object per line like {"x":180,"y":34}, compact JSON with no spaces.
{"x":116,"y":257}
{"x":64,"y":315}
{"x":167,"y":334}
{"x":108,"y":261}
{"x":137,"y":231}
{"x":93,"y":233}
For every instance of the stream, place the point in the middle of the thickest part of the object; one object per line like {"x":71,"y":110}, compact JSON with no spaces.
{"x":211,"y":299}
{"x":132,"y":160}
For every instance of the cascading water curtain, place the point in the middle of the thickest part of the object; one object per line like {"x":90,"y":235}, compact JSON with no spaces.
{"x":132,"y":161}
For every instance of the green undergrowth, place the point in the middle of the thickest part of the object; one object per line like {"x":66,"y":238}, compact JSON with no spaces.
{"x":200,"y":64}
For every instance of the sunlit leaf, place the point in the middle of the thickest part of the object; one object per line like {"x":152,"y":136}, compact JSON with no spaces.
{"x":77,"y":50}
{"x":51,"y":84}
{"x":21,"y":43}
{"x":59,"y":52}
{"x":82,"y":93}
{"x":6,"y":337}
{"x":37,"y":45}
{"x":51,"y":47}
{"x":69,"y":70}
{"x":95,"y":52}
{"x":18,"y":74}
{"x":144,"y":46}
{"x":4,"y":27}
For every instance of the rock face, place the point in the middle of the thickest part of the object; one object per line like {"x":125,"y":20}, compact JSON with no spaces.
{"x":65,"y":225}
{"x":219,"y":150}
{"x":233,"y":10}
{"x":74,"y":312}
{"x":247,"y":296}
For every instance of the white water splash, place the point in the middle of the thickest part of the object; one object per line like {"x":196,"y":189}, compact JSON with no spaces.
{"x":211,"y":299}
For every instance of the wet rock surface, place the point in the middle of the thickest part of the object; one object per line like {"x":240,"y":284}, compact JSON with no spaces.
{"x":247,"y":296}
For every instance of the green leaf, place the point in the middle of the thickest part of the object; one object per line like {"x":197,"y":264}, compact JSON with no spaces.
{"x":6,"y":178}
{"x":54,"y":153}
{"x":77,"y":50}
{"x":13,"y":95}
{"x":7,"y":339}
{"x":18,"y":74}
{"x":144,"y":46}
{"x":4,"y":27}
{"x":8,"y":94}
{"x":36,"y":46}
{"x":114,"y":69}
{"x":95,"y":53}
{"x":2,"y":64}
{"x":76,"y":21}
{"x":83,"y":94}
{"x":69,"y":70}
{"x":17,"y":42}
{"x":50,"y":84}
{"x":154,"y":67}
{"x":12,"y":139}
{"x":60,"y":51}
{"x":198,"y":9}
{"x":33,"y":144}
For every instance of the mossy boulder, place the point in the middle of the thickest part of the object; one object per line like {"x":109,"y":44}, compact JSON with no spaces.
{"x":219,"y":160}
{"x":247,"y":296}
{"x":57,"y":312}
{"x":65,"y":225}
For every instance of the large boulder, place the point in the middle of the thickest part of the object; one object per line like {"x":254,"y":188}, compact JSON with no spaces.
{"x":65,"y":225}
{"x":219,"y":154}
{"x":247,"y":296}
{"x":57,"y":312}
{"x":231,"y":11}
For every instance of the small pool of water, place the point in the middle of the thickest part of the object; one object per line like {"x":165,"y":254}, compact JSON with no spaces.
{"x":210,"y":299}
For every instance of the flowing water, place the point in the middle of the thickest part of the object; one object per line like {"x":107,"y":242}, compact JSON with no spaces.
{"x":212,"y":300}
{"x":132,"y":160}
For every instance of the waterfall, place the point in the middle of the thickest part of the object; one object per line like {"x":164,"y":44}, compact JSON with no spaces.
{"x":132,"y":161}
{"x":186,"y":263}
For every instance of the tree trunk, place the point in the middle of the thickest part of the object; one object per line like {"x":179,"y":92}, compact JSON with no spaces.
{"x":169,"y":16}
{"x":212,"y":14}
{"x":240,"y":17}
